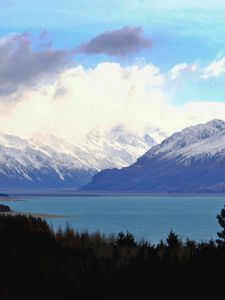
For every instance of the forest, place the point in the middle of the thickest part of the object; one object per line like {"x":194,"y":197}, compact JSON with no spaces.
{"x":40,"y":263}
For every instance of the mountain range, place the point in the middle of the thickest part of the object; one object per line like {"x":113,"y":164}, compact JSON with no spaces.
{"x":46,"y":161}
{"x":190,"y":161}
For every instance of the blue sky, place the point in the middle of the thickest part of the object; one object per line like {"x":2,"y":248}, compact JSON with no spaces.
{"x":188,"y":34}
{"x":181,"y":31}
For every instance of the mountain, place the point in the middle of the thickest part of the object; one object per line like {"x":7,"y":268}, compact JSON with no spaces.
{"x":45,"y":161}
{"x":117,"y":147}
{"x":190,"y":161}
{"x":24,"y":164}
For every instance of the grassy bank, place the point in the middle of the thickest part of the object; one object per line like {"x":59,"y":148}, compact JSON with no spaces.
{"x":38,"y":263}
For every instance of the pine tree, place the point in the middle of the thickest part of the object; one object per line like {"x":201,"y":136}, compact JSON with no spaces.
{"x":221,"y":220}
{"x":173,"y":240}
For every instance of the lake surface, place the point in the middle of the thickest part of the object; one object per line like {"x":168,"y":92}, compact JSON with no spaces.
{"x":147,"y":217}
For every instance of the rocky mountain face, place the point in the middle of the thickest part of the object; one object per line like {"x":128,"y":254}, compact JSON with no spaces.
{"x":190,"y":161}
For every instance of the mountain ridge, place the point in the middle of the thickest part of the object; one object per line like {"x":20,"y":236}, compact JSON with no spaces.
{"x":189,"y":161}
{"x":46,"y":161}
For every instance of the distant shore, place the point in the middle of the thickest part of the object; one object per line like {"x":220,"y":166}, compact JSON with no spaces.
{"x":37,"y":215}
{"x":20,"y":195}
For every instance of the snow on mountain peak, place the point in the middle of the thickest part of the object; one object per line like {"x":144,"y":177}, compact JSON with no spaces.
{"x":203,"y":138}
{"x":46,"y":157}
{"x":99,"y":149}
{"x":121,"y":134}
{"x":195,"y":133}
{"x":116,"y":147}
{"x":220,"y":124}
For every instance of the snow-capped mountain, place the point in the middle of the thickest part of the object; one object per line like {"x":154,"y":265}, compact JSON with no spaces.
{"x":45,"y":161}
{"x":192,"y":160}
{"x":201,"y":141}
{"x":115,"y":148}
{"x":23,"y":164}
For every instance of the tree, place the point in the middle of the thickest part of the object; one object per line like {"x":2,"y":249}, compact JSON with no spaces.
{"x":174,"y":247}
{"x":125,"y":240}
{"x":221,"y":220}
{"x":173,"y":240}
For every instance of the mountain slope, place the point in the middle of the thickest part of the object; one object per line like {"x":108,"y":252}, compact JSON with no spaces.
{"x":115,"y":148}
{"x":50,"y":162}
{"x":192,"y":160}
{"x":25,"y":165}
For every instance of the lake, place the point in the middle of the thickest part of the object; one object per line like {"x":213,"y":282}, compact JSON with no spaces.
{"x":147,"y":217}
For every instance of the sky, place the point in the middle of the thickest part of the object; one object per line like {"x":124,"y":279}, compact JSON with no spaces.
{"x":67,"y":67}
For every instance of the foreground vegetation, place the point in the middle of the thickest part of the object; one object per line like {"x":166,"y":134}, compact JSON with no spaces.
{"x":38,"y":263}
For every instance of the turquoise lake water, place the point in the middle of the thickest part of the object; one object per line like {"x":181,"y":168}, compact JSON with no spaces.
{"x":147,"y":217}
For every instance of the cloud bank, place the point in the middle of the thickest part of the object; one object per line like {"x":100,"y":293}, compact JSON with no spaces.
{"x":124,"y":41}
{"x":54,"y":96}
{"x":21,"y":65}
{"x":107,"y":95}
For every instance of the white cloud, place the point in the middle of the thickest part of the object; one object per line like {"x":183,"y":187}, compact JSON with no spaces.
{"x":182,"y":68}
{"x":195,"y":113}
{"x":81,"y":99}
{"x":215,"y":68}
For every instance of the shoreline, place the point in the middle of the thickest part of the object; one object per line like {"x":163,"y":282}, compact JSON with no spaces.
{"x":25,"y":196}
{"x":37,"y":215}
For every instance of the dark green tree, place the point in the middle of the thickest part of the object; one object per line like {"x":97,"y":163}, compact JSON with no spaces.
{"x":173,"y":240}
{"x":221,"y":220}
{"x":125,"y":240}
